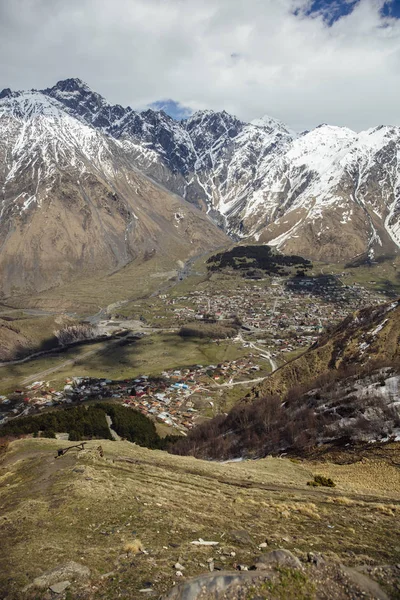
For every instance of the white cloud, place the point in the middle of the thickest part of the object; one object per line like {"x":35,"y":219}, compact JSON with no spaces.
{"x":249,"y":57}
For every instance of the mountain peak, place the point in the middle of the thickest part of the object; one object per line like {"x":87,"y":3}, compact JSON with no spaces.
{"x":7,"y":93}
{"x":77,"y":96}
{"x":72,"y":85}
{"x":271,"y":124}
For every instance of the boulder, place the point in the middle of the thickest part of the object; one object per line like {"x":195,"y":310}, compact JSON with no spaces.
{"x":206,"y":587}
{"x":59,"y":588}
{"x":367,"y":585}
{"x":283,"y":558}
{"x":62,"y":573}
{"x":242,"y":537}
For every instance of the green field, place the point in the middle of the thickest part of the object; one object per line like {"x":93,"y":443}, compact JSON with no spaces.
{"x":117,"y":360}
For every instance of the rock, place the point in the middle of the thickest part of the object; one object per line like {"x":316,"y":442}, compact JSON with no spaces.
{"x":316,"y":558}
{"x":179,"y":567}
{"x":70,"y":570}
{"x":58,"y":588}
{"x":263,"y":545}
{"x":212,"y":585}
{"x":332,"y":580}
{"x":278,"y":557}
{"x":367,"y":585}
{"x":241,"y":536}
{"x":211,"y":565}
{"x":179,"y":574}
{"x":109,"y":574}
{"x":201,"y":542}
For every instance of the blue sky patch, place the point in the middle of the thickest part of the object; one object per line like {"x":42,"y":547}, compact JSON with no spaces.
{"x":174,"y":109}
{"x":391,"y":9}
{"x":331,"y":10}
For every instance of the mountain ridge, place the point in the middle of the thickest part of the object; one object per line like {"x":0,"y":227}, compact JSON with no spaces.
{"x":251,"y":175}
{"x":329,"y":194}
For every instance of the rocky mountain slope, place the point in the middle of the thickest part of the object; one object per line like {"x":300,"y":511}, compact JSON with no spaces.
{"x":72,"y":201}
{"x":329,"y":193}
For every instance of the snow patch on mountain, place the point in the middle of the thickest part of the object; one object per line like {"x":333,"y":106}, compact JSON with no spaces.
{"x":38,"y":135}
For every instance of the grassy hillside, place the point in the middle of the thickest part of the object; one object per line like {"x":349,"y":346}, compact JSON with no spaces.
{"x":129,"y":514}
{"x":22,"y":334}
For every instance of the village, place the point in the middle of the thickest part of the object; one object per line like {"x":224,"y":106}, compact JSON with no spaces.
{"x":177,"y":398}
{"x":275,"y":322}
{"x":287,"y":315}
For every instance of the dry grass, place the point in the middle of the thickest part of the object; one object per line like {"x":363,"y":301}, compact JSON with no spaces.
{"x":103,"y":511}
{"x":343,"y":501}
{"x":369,"y":476}
{"x":296,"y":510}
{"x":134,"y":547}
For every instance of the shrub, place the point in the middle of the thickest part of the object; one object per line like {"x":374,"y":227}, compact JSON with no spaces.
{"x":320,"y":480}
{"x":48,"y":434}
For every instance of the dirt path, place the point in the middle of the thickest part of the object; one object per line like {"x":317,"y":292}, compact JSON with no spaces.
{"x":114,"y":434}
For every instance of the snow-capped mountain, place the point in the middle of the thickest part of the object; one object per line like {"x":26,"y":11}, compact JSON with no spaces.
{"x":329,"y":193}
{"x":72,"y":201}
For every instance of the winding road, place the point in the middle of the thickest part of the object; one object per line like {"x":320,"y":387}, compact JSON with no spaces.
{"x":263,"y":353}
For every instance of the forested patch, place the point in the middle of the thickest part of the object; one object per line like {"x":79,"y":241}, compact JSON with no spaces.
{"x":88,"y":422}
{"x":251,"y":260}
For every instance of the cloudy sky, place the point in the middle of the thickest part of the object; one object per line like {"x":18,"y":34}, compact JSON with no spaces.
{"x":302,"y":61}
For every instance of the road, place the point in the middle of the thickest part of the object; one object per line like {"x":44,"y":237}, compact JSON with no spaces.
{"x":263,"y":353}
{"x":248,"y":381}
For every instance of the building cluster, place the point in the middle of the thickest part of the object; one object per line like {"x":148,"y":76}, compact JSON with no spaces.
{"x":290,"y":314}
{"x":173,"y":398}
{"x":280,"y":317}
